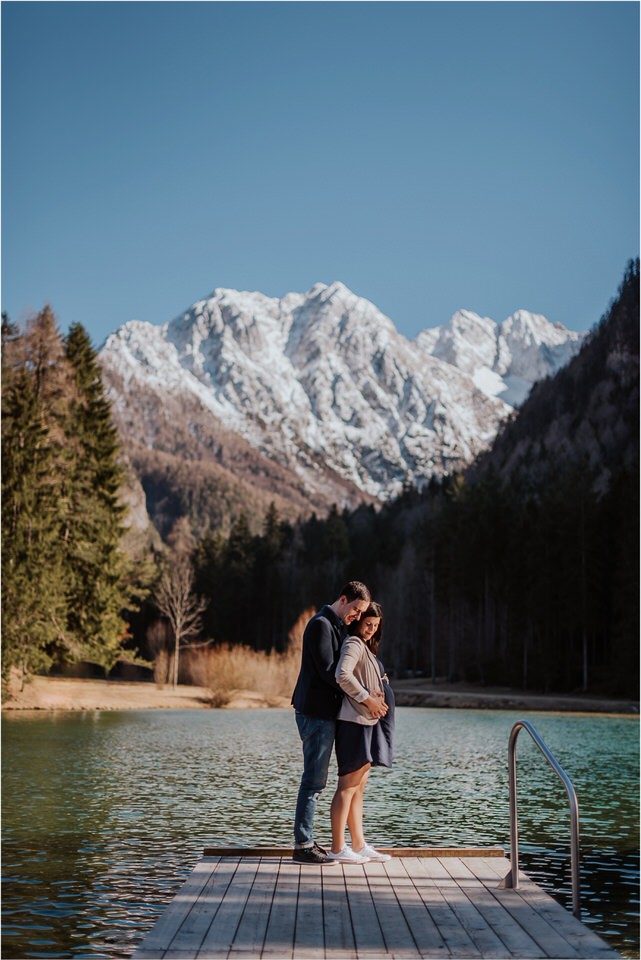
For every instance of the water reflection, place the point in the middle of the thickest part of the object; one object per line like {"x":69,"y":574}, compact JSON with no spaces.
{"x":106,"y":813}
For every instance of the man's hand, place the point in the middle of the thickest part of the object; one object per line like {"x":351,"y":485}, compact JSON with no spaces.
{"x":376,"y":705}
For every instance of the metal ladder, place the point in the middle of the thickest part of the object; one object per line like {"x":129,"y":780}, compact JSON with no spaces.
{"x":512,"y":879}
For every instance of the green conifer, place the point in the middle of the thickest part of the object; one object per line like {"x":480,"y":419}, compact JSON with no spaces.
{"x":34,"y":507}
{"x":98,"y":570}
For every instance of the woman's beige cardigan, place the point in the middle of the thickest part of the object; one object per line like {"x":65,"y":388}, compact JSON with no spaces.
{"x":357,"y":674}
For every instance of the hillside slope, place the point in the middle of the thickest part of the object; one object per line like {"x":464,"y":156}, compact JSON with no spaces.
{"x":311,"y":399}
{"x":587,"y":414}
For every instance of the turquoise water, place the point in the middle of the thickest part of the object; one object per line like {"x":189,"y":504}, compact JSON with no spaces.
{"x":105,"y":813}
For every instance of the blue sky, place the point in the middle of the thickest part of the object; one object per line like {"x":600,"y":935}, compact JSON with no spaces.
{"x":431,"y":155}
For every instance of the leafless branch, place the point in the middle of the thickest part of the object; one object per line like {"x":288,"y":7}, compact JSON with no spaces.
{"x":176,"y":600}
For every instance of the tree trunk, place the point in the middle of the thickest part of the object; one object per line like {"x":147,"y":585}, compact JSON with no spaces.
{"x":176,"y":651}
{"x":526,"y":650}
{"x":584,"y":603}
{"x":432,"y":622}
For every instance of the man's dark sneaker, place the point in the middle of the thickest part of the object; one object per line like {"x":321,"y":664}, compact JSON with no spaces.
{"x":314,"y":854}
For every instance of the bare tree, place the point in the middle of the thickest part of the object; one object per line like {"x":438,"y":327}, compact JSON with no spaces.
{"x":176,"y":600}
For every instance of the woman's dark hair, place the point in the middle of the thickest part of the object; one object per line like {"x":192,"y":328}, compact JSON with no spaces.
{"x":374,"y":610}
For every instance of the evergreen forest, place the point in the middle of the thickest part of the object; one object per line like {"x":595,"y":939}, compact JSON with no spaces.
{"x":521,"y":571}
{"x":67,"y":583}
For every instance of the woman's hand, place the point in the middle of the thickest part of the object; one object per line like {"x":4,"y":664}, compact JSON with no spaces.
{"x":376,"y":705}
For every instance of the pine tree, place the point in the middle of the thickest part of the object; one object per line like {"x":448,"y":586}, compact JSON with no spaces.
{"x":34,"y":505}
{"x":64,"y":578}
{"x":98,"y":570}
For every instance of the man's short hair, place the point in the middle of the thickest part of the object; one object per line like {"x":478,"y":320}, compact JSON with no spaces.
{"x":355,"y":590}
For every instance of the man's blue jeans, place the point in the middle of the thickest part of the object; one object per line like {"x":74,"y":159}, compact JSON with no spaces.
{"x":318,"y":739}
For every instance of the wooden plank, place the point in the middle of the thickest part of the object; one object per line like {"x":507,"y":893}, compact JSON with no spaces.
{"x":518,"y":937}
{"x":250,"y":934}
{"x":279,"y":936}
{"x":458,"y":941}
{"x":222,"y":930}
{"x":434,"y":869}
{"x":393,"y":851}
{"x":565,"y":926}
{"x":424,"y":930}
{"x":248,"y":851}
{"x":244,"y":907}
{"x":522,"y":913}
{"x":476,"y":924}
{"x":368,"y":936}
{"x":186,"y":942}
{"x":487,"y":870}
{"x":169,"y":922}
{"x":309,"y":936}
{"x":337,"y":919}
{"x":586,"y":940}
{"x":502,"y":867}
{"x":396,"y":932}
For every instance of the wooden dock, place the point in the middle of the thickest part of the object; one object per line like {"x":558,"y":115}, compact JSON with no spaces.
{"x":421,"y":903}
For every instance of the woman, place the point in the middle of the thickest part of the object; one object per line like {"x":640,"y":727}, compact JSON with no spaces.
{"x":364,"y":734}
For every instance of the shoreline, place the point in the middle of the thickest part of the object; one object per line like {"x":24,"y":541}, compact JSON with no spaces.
{"x":49,"y":694}
{"x":423,"y":693}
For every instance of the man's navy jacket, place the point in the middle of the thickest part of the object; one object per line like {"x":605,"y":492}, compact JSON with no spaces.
{"x":316,"y":693}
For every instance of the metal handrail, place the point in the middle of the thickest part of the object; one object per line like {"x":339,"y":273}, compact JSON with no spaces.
{"x":512,"y":879}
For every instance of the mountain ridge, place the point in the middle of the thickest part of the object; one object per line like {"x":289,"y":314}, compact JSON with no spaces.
{"x":586,"y":416}
{"x":322,"y":385}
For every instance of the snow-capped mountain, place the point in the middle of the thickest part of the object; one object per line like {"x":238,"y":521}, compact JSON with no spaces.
{"x":506,"y":359}
{"x":323,"y":385}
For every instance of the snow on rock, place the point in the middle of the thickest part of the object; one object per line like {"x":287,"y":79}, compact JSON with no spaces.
{"x":504,"y":360}
{"x":324,"y":383}
{"x":467,"y":342}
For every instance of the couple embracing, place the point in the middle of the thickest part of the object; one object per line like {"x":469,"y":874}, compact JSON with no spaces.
{"x":343,"y":700}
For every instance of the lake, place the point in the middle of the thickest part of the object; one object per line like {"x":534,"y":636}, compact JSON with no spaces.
{"x":105,"y":813}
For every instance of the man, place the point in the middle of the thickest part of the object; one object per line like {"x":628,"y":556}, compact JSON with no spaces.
{"x":317,"y":699}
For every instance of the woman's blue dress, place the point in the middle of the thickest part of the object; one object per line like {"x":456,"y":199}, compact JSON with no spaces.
{"x":357,"y":744}
{"x":383,"y":731}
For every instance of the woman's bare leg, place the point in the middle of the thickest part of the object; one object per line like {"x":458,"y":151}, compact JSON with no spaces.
{"x":348,"y":785}
{"x":355,"y":813}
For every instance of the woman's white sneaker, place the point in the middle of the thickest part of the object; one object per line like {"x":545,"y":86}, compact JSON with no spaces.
{"x":371,"y":854}
{"x":347,"y":855}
